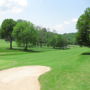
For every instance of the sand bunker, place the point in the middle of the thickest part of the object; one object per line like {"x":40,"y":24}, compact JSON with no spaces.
{"x":22,"y":78}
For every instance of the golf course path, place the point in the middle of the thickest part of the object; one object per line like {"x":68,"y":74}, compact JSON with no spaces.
{"x":22,"y":78}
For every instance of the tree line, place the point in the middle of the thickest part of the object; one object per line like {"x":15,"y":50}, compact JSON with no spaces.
{"x":26,"y":34}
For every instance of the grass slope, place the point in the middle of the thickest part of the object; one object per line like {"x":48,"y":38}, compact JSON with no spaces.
{"x":70,"y":68}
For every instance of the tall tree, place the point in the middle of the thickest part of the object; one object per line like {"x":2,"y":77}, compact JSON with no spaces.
{"x":7,"y":29}
{"x":83,"y":26}
{"x":42,"y":36}
{"x":25,"y":33}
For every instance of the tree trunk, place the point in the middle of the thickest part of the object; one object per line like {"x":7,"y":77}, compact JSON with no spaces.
{"x":10,"y":43}
{"x":41,"y":45}
{"x":26,"y":46}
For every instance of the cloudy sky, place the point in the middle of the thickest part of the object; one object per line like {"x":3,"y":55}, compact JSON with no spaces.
{"x":59,"y":15}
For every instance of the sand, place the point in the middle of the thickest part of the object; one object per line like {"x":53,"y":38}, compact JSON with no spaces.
{"x":22,"y":78}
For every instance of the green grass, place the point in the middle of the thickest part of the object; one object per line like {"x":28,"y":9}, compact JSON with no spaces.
{"x":70,"y":69}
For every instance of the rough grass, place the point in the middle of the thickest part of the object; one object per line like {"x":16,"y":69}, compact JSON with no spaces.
{"x":70,"y":68}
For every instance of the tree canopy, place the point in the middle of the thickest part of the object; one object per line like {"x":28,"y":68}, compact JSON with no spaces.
{"x":24,"y":33}
{"x":7,"y":29}
{"x":83,"y":26}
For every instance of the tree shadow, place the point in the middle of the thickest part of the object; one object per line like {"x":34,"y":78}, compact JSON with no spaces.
{"x":62,"y":48}
{"x":29,"y":50}
{"x":15,"y":51}
{"x":86,"y":53}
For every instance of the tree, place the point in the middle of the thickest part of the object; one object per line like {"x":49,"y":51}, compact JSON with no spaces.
{"x":25,"y":33}
{"x":7,"y":29}
{"x":53,"y":40}
{"x":58,"y":41}
{"x":50,"y":39}
{"x":71,"y":38}
{"x":83,"y":26}
{"x":42,"y":36}
{"x":61,"y":42}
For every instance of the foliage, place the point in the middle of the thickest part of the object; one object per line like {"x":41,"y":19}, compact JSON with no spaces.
{"x":71,"y":38}
{"x":83,"y":26}
{"x":25,"y":33}
{"x":53,"y":40}
{"x":42,"y":36}
{"x":61,"y":42}
{"x":7,"y":29}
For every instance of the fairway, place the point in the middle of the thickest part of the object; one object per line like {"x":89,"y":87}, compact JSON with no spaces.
{"x":70,"y":68}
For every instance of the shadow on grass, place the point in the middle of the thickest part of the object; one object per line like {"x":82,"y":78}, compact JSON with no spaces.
{"x":20,"y":51}
{"x":29,"y":50}
{"x":86,"y":53}
{"x":62,"y":48}
{"x":16,"y":51}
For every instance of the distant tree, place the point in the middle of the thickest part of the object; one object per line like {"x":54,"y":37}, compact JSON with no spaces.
{"x":7,"y":29}
{"x":61,"y":42}
{"x":25,"y":33}
{"x":42,"y":36}
{"x":50,"y":38}
{"x":53,"y":40}
{"x":71,"y":38}
{"x":83,"y":26}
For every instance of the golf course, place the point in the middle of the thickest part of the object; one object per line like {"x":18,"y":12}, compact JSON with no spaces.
{"x":44,"y":44}
{"x":70,"y":68}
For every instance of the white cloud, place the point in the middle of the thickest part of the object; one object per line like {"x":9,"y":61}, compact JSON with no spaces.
{"x":74,"y":20}
{"x":66,"y":22}
{"x":66,"y":26}
{"x":21,"y":2}
{"x":12,"y":6}
{"x":16,"y":10}
{"x":56,"y":27}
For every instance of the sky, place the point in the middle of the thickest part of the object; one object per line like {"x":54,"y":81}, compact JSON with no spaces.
{"x":57,"y":15}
